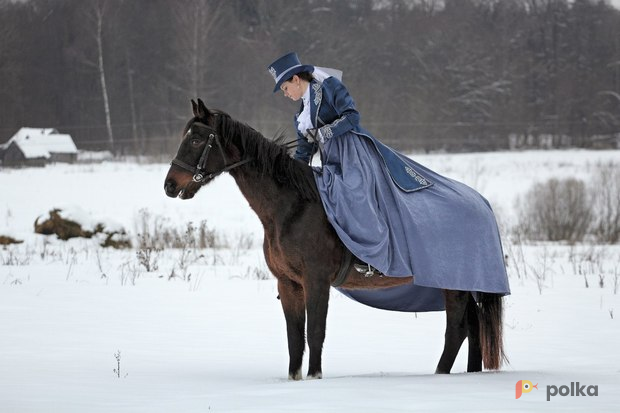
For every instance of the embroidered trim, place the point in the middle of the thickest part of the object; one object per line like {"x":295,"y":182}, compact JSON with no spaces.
{"x":318,"y":93}
{"x":336,"y":122}
{"x":326,"y":132}
{"x":419,"y":179}
{"x":273,"y":73}
{"x":422,"y":186}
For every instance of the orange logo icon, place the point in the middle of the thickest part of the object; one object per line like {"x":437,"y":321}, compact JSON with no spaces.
{"x":524,"y":386}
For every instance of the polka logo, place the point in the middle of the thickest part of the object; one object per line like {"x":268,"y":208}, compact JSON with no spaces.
{"x":524,"y":386}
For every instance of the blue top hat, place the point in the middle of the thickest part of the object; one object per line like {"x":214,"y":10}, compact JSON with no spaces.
{"x":285,"y":67}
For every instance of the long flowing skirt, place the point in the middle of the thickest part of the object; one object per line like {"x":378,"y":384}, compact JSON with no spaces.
{"x":445,"y":235}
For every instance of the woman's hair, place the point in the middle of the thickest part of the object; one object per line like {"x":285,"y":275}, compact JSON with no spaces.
{"x":307,"y":76}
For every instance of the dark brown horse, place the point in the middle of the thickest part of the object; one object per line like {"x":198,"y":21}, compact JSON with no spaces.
{"x":301,"y":248}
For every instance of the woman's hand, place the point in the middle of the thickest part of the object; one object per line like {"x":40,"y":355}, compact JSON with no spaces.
{"x":312,"y":135}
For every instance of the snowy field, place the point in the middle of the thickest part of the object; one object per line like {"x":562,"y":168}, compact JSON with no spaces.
{"x":87,"y":329}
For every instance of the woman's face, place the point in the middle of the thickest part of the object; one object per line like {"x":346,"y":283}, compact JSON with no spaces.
{"x":295,"y":88}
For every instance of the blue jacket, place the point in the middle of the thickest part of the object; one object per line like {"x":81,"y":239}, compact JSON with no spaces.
{"x":333,"y":111}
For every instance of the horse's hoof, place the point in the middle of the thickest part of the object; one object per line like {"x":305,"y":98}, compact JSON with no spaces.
{"x":315,"y":376}
{"x":296,"y":376}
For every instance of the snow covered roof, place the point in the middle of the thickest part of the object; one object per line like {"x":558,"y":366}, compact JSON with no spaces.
{"x":40,"y":143}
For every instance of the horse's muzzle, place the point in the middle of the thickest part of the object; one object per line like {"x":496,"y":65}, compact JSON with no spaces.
{"x":171,"y":188}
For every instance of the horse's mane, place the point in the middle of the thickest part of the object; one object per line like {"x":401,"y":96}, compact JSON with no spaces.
{"x":269,"y":157}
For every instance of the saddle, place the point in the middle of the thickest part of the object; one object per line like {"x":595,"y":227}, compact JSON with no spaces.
{"x":345,"y":264}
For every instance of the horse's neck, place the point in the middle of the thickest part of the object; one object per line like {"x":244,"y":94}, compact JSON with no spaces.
{"x":262,"y":193}
{"x":266,"y":197}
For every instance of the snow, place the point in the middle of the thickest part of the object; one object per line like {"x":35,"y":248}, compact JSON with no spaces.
{"x":94,"y":156}
{"x":216,"y":340}
{"x":39,"y":143}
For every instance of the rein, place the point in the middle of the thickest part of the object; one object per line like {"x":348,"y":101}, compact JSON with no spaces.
{"x":199,"y":171}
{"x":291,"y":144}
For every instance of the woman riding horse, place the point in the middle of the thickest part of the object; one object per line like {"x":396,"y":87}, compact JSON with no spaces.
{"x":391,"y":212}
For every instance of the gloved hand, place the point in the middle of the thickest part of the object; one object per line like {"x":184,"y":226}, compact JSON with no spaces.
{"x":312,"y":135}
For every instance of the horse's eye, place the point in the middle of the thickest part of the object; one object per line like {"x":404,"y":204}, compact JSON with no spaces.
{"x":195,"y":142}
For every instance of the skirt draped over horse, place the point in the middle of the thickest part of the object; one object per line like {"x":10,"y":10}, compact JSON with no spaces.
{"x":443,"y":233}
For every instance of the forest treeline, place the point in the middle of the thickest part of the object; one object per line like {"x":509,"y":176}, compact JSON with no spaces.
{"x":426,"y":74}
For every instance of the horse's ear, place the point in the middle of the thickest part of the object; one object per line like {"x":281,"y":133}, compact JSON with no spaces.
{"x":199,"y":109}
{"x":203,"y":112}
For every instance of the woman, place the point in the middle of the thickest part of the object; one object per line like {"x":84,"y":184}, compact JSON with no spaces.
{"x":391,"y":212}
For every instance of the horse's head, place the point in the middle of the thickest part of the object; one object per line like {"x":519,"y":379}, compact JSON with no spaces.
{"x":200,"y":157}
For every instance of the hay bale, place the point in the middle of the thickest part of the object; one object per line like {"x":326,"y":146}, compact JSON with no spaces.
{"x":6,"y":240}
{"x":62,"y":227}
{"x":65,"y":229}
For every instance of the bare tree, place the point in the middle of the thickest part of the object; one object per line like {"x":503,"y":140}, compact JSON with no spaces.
{"x":9,"y":37}
{"x":92,"y":16}
{"x":98,"y":15}
{"x":196,"y":26}
{"x":10,"y":63}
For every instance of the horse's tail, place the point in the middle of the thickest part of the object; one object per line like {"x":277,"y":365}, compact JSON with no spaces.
{"x":490,"y":320}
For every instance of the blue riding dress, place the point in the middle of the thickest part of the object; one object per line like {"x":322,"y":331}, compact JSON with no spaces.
{"x":397,"y":215}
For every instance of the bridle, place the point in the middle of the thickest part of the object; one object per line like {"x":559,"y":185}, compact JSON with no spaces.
{"x":199,"y":171}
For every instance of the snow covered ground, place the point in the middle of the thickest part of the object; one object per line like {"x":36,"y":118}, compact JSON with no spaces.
{"x":213,"y":339}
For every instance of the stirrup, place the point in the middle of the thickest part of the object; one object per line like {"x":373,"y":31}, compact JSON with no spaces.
{"x":366,"y":269}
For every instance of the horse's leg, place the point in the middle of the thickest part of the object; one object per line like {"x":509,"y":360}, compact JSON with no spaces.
{"x":317,"y":297}
{"x":456,"y":329}
{"x":292,"y":299}
{"x":474,"y":358}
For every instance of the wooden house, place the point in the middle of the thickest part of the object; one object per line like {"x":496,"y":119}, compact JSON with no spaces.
{"x":37,"y":147}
